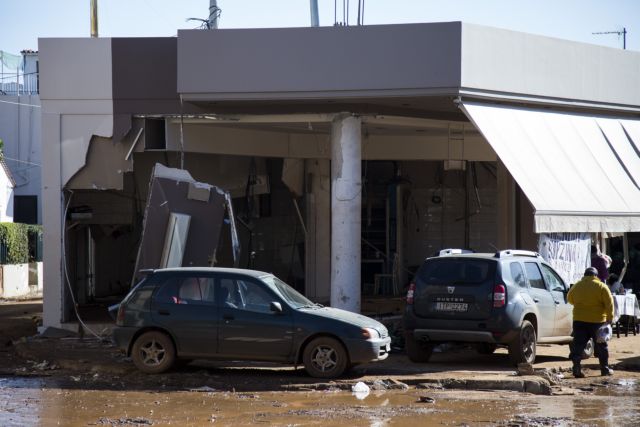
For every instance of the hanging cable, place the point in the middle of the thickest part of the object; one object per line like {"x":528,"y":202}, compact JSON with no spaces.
{"x":181,"y":134}
{"x":66,"y":270}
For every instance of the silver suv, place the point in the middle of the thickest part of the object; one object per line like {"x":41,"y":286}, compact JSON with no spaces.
{"x":512,"y":298}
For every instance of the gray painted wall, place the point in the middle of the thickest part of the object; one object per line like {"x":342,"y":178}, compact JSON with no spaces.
{"x":511,"y":62}
{"x":410,"y":60}
{"x":318,"y":62}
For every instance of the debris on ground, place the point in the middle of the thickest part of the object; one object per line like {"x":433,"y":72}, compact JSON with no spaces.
{"x":138,"y":421}
{"x":426,"y":399}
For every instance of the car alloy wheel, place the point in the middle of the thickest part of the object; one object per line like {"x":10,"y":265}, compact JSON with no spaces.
{"x":523,"y":348}
{"x":325,"y":357}
{"x":153,"y":352}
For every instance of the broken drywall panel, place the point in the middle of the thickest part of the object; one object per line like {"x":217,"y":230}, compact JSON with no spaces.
{"x":198,"y":192}
{"x":169,"y":191}
{"x":293,"y":175}
{"x":104,"y":167}
{"x":76,"y":133}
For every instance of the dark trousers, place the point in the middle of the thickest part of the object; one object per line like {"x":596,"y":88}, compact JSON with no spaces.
{"x":582,"y":331}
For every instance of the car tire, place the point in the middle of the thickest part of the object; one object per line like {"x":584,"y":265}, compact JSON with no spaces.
{"x":486,"y":348}
{"x":418,"y":352}
{"x":523,"y":348}
{"x":153,"y":352}
{"x":325,"y":357}
{"x":588,"y":352}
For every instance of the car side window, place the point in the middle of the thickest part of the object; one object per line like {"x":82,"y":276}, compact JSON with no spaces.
{"x":534,"y":275}
{"x":245,"y":295}
{"x":186,"y":290}
{"x":553,"y":281}
{"x":517,"y":274}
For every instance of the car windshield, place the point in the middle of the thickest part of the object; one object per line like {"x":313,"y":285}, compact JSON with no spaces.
{"x":293,"y":297}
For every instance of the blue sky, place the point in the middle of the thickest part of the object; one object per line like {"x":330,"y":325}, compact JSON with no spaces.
{"x":23,"y":21}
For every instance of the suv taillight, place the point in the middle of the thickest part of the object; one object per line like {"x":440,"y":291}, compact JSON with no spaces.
{"x":410,"y":292}
{"x":120,"y":316}
{"x":499,"y":296}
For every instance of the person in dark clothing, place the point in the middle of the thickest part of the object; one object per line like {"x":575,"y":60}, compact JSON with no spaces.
{"x":592,"y":308}
{"x":600,"y":263}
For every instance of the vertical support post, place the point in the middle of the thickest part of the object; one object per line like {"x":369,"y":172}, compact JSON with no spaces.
{"x":506,"y":208}
{"x":318,"y":239}
{"x":313,"y":4}
{"x":94,"y":18}
{"x":52,"y":204}
{"x":346,"y":215}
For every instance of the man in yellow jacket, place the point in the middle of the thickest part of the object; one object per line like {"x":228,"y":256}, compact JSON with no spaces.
{"x":592,"y":308}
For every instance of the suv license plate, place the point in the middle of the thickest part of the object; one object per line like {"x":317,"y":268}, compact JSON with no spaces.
{"x":452,"y":306}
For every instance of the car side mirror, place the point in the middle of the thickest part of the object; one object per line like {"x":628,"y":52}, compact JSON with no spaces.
{"x":275,"y":307}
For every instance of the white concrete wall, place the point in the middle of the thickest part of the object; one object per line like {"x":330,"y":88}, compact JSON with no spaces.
{"x":76,"y":94}
{"x":6,"y":197}
{"x":15,"y":280}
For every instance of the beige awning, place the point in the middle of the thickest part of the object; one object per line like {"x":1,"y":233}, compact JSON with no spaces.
{"x":580,"y":172}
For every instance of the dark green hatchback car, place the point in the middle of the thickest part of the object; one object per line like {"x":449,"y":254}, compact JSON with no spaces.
{"x":233,"y":314}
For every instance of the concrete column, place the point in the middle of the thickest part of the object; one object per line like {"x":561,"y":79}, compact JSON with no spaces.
{"x":318,"y":241}
{"x":346,"y":201}
{"x":506,"y":208}
{"x":52,"y":201}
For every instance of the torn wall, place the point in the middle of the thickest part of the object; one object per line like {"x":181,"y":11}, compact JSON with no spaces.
{"x":183,"y":221}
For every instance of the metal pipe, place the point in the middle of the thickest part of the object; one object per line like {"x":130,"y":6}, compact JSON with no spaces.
{"x":94,"y":18}
{"x":214,"y":14}
{"x":315,"y":21}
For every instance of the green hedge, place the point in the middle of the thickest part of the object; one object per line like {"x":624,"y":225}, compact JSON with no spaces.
{"x":14,"y":242}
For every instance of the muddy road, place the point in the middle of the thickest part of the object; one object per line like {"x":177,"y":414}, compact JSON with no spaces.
{"x":71,"y":381}
{"x":35,"y":402}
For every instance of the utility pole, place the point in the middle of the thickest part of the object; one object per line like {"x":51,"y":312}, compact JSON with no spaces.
{"x":214,"y":14}
{"x":313,"y":4}
{"x":94,"y":18}
{"x":622,"y":33}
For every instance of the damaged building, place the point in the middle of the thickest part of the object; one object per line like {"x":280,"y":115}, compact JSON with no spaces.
{"x":344,"y":167}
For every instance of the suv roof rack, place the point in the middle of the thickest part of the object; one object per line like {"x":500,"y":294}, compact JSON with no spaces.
{"x":516,"y":252}
{"x":452,"y":251}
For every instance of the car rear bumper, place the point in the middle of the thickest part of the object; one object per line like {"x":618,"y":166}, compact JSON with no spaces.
{"x":122,"y":337}
{"x":362,"y":351}
{"x":443,"y":335}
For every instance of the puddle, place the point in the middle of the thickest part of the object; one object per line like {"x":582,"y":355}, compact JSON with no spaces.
{"x":31,"y":401}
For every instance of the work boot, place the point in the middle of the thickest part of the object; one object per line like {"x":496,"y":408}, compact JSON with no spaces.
{"x":606,"y":371}
{"x":577,"y":372}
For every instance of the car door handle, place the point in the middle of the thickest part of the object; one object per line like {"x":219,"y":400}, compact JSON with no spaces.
{"x":227,"y":316}
{"x":536,"y":300}
{"x":164,"y":312}
{"x":557,"y":302}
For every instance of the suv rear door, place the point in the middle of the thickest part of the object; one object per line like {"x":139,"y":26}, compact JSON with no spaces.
{"x":564,"y":310}
{"x":454,"y":287}
{"x":543,"y":299}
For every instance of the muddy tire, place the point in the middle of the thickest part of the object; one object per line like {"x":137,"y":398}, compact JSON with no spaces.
{"x":418,"y":352}
{"x":588,"y":352}
{"x":325,"y":357}
{"x":486,"y":348}
{"x":153,"y":352}
{"x":523,"y":348}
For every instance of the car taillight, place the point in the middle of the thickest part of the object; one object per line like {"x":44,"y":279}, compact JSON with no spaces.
{"x":499,"y":296}
{"x":120,"y":316}
{"x":410,"y":292}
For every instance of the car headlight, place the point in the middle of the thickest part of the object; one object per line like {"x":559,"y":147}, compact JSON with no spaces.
{"x":370,"y":333}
